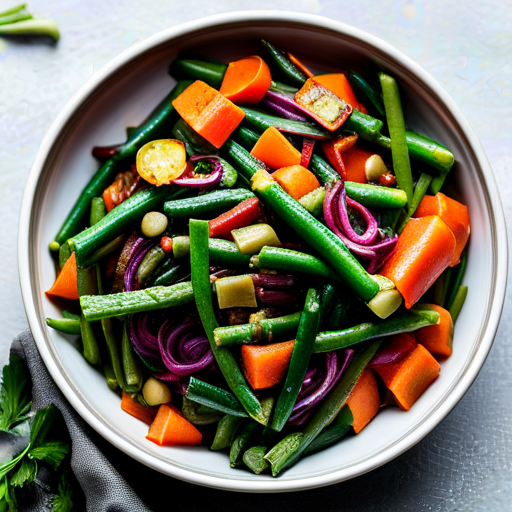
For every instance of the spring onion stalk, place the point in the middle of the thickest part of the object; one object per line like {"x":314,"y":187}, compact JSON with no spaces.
{"x":396,"y":125}
{"x":458,"y":302}
{"x":32,"y":27}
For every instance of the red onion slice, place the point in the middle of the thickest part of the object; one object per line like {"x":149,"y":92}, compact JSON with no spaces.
{"x":141,"y":247}
{"x":210,"y":180}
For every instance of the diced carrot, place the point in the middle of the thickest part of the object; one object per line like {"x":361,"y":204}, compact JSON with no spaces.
{"x":65,"y":285}
{"x":333,"y":150}
{"x":296,"y":180}
{"x":455,"y":215}
{"x":246,"y":80}
{"x":275,"y":150}
{"x":136,"y":409}
{"x":338,"y":83}
{"x":301,"y":66}
{"x":355,"y":159}
{"x":424,"y":249}
{"x":208,"y":112}
{"x":323,"y":105}
{"x":438,"y":338}
{"x":395,"y":349}
{"x":364,"y":400}
{"x":266,"y":365}
{"x":240,"y":216}
{"x":408,"y":379}
{"x":170,"y":428}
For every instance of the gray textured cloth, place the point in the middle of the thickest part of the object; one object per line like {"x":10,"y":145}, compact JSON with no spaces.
{"x":104,"y":487}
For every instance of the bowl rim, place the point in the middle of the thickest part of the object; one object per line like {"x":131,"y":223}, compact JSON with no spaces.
{"x":263,"y":485}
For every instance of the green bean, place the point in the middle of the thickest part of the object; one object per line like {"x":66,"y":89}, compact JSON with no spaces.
{"x":96,"y":307}
{"x":338,"y":429}
{"x":214,"y":397}
{"x":200,"y":275}
{"x":419,"y":193}
{"x":245,"y":435}
{"x":131,"y":366}
{"x":288,"y":451}
{"x":64,"y":254}
{"x":419,"y":316}
{"x":254,"y":459}
{"x":266,"y":329}
{"x":91,"y":350}
{"x":105,"y":251}
{"x":206,"y":204}
{"x":194,"y":143}
{"x":199,"y":414}
{"x":98,"y":210}
{"x":225,"y":432}
{"x":210,"y":72}
{"x":169,"y":277}
{"x":284,"y":65}
{"x":65,"y":325}
{"x":149,"y":264}
{"x":396,"y":126}
{"x":302,"y":349}
{"x":71,"y":316}
{"x":370,"y":92}
{"x":293,"y":261}
{"x":458,"y":302}
{"x":459,"y":270}
{"x":110,"y":376}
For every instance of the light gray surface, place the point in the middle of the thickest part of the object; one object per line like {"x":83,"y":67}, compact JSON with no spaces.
{"x":466,"y":463}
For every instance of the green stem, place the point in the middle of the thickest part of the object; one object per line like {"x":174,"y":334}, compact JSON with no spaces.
{"x":32,"y":27}
{"x":458,"y":302}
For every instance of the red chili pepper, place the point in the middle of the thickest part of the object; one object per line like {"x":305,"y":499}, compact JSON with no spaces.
{"x":240,"y":216}
{"x":307,"y":151}
{"x":166,"y":244}
{"x":334,"y":157}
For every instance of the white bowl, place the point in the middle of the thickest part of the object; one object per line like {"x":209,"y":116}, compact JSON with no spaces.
{"x":121,"y":95}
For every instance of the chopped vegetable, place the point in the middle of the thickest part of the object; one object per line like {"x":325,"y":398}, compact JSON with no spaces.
{"x":170,"y":428}
{"x":266,"y":365}
{"x":137,"y":410}
{"x":437,"y":339}
{"x":160,"y":162}
{"x":155,"y":392}
{"x":364,"y":401}
{"x":153,"y":224}
{"x":296,"y":180}
{"x":275,"y":150}
{"x":214,"y":117}
{"x":65,"y":285}
{"x":251,"y":239}
{"x":240,"y":216}
{"x":246,"y":80}
{"x":424,"y":249}
{"x":236,"y":291}
{"x":339,"y":85}
{"x":323,"y":105}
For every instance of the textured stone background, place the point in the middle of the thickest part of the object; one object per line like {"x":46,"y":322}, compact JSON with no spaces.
{"x":465,"y":464}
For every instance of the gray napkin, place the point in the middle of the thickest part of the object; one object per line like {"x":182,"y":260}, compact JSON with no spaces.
{"x":104,"y":488}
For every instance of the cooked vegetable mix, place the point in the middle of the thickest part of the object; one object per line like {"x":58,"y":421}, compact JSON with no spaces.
{"x":259,"y":275}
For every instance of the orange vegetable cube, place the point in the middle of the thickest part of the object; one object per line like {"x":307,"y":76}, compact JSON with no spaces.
{"x":208,"y":112}
{"x":275,"y":150}
{"x":296,"y":180}
{"x":452,"y":212}
{"x":409,"y":378}
{"x":65,"y":285}
{"x":246,"y":80}
{"x":364,"y":400}
{"x":437,"y":339}
{"x":355,"y":159}
{"x":266,"y":365}
{"x":136,"y":409}
{"x":424,"y":249}
{"x":170,"y":428}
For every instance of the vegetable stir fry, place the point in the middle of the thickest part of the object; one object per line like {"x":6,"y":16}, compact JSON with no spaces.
{"x":266,"y":261}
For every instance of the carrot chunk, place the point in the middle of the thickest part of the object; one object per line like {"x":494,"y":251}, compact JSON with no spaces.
{"x":275,"y":150}
{"x":437,"y":339}
{"x":338,"y":84}
{"x":409,"y":378}
{"x":266,"y":365}
{"x":424,"y":249}
{"x":136,"y":409}
{"x":240,"y":216}
{"x":355,"y":159}
{"x":170,"y":428}
{"x":208,"y":112}
{"x":65,"y":285}
{"x":246,"y":80}
{"x":455,"y":215}
{"x":364,"y":401}
{"x":296,"y":180}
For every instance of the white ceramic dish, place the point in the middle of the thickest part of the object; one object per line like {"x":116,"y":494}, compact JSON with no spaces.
{"x":121,"y":95}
